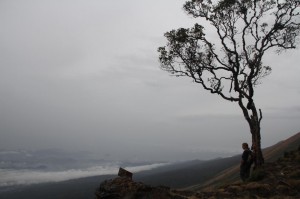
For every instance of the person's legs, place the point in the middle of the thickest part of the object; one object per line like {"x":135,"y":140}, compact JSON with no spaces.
{"x":243,"y":173}
{"x":247,"y":173}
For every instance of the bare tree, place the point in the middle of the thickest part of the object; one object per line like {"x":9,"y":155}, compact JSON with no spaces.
{"x":231,"y":66}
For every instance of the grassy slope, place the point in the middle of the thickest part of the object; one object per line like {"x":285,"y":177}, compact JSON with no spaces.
{"x":231,"y":174}
{"x":276,"y":180}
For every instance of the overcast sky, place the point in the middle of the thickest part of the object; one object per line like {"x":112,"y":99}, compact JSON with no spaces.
{"x":84,"y":75}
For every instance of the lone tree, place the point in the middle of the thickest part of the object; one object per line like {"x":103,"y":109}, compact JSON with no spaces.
{"x":231,"y":66}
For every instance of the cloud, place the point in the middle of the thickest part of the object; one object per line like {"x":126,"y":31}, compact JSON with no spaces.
{"x":26,"y":177}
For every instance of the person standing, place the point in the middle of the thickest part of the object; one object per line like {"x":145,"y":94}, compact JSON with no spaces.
{"x":246,"y":162}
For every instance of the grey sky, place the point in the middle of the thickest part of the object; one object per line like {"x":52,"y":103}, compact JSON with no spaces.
{"x":84,"y":75}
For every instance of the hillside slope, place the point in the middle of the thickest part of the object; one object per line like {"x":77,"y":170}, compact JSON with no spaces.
{"x":280,"y":179}
{"x":231,"y":174}
{"x":187,"y":174}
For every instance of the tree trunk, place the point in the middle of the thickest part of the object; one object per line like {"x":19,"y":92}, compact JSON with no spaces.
{"x":256,"y":143}
{"x":254,"y":124}
{"x":253,"y":119}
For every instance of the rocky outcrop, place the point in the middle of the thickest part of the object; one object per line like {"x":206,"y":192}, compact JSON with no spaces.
{"x":125,"y":188}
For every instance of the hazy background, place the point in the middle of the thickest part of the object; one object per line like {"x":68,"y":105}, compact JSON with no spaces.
{"x":83,"y":75}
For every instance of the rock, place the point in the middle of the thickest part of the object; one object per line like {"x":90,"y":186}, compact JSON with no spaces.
{"x":125,"y":173}
{"x":125,"y":188}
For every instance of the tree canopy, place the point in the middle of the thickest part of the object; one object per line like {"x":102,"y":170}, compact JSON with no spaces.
{"x":231,"y":65}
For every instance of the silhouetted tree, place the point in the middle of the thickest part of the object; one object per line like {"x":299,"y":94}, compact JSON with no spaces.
{"x":231,"y":66}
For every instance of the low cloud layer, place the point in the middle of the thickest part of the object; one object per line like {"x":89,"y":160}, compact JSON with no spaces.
{"x":26,"y":177}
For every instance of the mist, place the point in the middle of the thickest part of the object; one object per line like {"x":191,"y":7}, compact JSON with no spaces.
{"x":27,"y":177}
{"x":84,"y":76}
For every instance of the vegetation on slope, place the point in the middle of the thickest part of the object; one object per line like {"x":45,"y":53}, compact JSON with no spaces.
{"x":231,"y":174}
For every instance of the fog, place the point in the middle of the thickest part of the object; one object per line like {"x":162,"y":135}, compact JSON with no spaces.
{"x":84,"y":75}
{"x":24,"y":177}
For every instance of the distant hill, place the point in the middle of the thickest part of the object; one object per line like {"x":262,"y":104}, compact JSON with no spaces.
{"x":83,"y":188}
{"x":187,"y":173}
